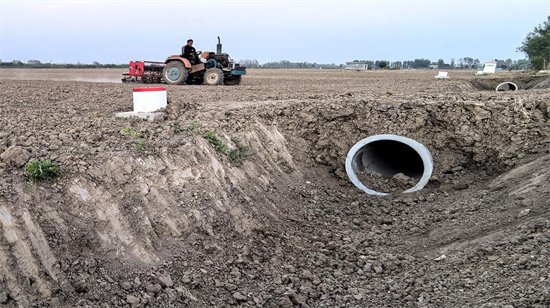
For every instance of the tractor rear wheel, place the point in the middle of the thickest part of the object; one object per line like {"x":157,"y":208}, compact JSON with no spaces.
{"x":174,"y":73}
{"x":213,"y":77}
{"x":232,"y":81}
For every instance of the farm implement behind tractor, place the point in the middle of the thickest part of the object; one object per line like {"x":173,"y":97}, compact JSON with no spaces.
{"x":206,"y":68}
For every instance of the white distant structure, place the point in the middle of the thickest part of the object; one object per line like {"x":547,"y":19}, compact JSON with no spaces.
{"x":489,"y":68}
{"x":442,"y":75}
{"x":358,"y":66}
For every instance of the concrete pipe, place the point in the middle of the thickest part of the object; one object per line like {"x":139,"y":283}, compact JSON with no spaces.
{"x":507,"y":86}
{"x":389,"y":155}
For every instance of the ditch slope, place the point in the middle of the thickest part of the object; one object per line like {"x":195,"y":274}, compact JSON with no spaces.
{"x":151,"y":215}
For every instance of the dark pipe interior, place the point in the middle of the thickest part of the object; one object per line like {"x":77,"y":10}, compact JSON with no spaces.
{"x":388,"y":158}
{"x":508,"y":87}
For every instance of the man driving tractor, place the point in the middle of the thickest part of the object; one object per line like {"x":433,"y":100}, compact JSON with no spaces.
{"x":209,"y":68}
{"x":189,"y":52}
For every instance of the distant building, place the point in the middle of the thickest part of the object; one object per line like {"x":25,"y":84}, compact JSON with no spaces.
{"x":357,"y":66}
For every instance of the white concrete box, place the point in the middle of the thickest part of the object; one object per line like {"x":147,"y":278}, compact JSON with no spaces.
{"x":149,"y":99}
{"x":442,"y":75}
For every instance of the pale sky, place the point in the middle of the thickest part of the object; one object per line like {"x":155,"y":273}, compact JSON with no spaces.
{"x":314,"y":31}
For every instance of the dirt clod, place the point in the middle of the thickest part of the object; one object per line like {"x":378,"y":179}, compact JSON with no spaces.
{"x":153,"y":288}
{"x":378,"y":182}
{"x":15,"y":156}
{"x":132,"y":300}
{"x":3,"y":297}
{"x":239,"y":297}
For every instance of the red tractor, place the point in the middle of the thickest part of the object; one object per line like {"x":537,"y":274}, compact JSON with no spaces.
{"x":212,"y":69}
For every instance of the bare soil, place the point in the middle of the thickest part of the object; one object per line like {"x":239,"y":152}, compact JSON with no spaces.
{"x":159,"y":218}
{"x":394,"y":184}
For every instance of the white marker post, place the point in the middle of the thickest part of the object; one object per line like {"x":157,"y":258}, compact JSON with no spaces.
{"x":442,"y":75}
{"x":149,"y":99}
{"x":146,"y":101}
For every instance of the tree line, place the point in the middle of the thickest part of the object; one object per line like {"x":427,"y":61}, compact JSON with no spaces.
{"x":286,"y":64}
{"x":462,"y":63}
{"x":38,"y":64}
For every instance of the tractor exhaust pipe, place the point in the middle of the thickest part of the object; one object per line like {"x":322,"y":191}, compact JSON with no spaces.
{"x":219,"y":47}
{"x":389,"y":155}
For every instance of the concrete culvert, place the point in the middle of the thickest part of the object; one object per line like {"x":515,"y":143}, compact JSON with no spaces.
{"x":507,"y":86}
{"x":388,"y":156}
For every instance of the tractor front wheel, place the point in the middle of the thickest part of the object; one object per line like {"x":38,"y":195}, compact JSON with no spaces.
{"x":174,"y":73}
{"x":213,"y":77}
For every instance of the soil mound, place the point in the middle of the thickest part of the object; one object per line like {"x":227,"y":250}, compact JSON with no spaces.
{"x":239,"y":196}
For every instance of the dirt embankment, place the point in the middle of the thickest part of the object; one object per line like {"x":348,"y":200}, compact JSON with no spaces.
{"x":160,"y":218}
{"x":525,"y":81}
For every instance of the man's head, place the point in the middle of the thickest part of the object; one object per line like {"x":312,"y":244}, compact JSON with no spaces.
{"x":189,"y":42}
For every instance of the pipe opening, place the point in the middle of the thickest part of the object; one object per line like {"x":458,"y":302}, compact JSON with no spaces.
{"x":507,"y":86}
{"x":388,"y":158}
{"x":387,"y":163}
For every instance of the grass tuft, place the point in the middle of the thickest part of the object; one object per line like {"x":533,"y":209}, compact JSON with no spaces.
{"x":216,"y":142}
{"x":193,"y":129}
{"x":236,"y":155}
{"x":130,"y":132}
{"x":39,"y":170}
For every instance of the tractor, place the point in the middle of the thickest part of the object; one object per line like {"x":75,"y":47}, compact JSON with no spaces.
{"x":210,"y":69}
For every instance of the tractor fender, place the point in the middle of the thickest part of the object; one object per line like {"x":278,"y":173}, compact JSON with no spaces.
{"x":213,"y":63}
{"x":185,"y":62}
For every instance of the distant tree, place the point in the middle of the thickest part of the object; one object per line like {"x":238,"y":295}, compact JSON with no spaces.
{"x":520,"y":65}
{"x":96,"y":64}
{"x":453,"y":62}
{"x":440,"y":63}
{"x":34,"y":62}
{"x":500,"y":63}
{"x":509,"y":62}
{"x":537,"y":46}
{"x":410,"y":64}
{"x":249,"y":63}
{"x":421,"y":63}
{"x":383,"y":64}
